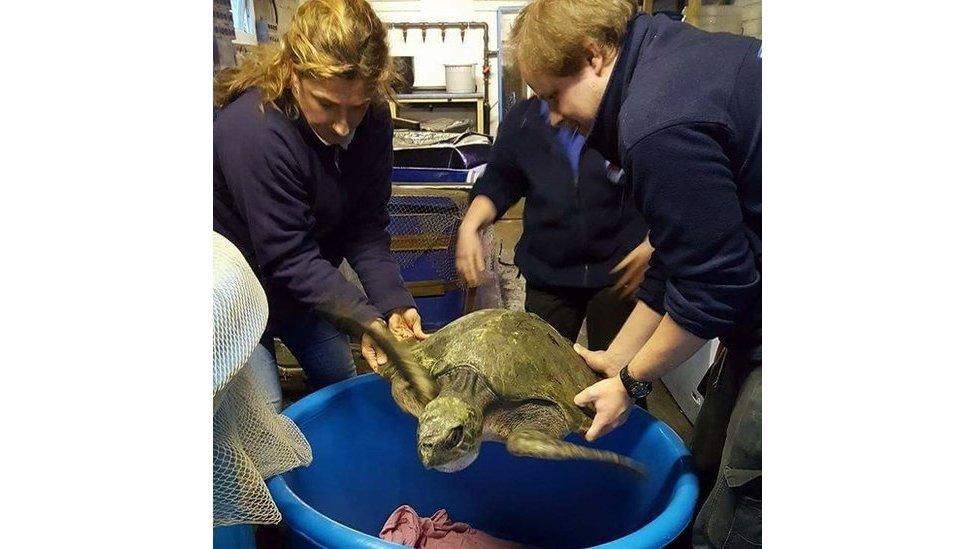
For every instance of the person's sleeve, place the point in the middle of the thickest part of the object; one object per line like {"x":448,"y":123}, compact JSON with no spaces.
{"x":504,"y":182}
{"x":684,"y":187}
{"x":367,"y":246}
{"x":267,"y":184}
{"x":651,"y":290}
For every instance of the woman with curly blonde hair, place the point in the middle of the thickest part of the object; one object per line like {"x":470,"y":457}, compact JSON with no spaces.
{"x":302,"y":165}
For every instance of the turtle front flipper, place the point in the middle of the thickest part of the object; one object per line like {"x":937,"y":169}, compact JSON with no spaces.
{"x":401,"y":362}
{"x":530,"y":442}
{"x":403,"y":365}
{"x":403,"y":393}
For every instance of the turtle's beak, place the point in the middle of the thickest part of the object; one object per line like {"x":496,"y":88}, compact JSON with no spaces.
{"x":425,"y":449}
{"x":424,"y":456}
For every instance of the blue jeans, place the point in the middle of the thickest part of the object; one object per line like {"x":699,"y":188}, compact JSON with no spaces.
{"x":322,"y":351}
{"x":265,"y":369}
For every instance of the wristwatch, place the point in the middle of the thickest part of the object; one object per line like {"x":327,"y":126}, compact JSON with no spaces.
{"x":636,"y":389}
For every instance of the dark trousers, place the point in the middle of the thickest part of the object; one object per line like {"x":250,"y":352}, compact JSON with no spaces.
{"x":321,"y":350}
{"x":565,"y":309}
{"x":727,"y":450}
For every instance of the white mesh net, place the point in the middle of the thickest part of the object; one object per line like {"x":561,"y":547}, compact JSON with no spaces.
{"x":240,"y":312}
{"x":251,"y":442}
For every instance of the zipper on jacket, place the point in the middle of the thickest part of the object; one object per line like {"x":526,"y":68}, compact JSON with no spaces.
{"x":579,"y":208}
{"x":576,"y":191}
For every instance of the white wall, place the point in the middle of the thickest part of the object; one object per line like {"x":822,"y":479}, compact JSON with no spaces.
{"x":286,"y":10}
{"x":430,"y":56}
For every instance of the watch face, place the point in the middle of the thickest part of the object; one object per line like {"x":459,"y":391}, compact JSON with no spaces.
{"x":636,"y":389}
{"x":641,"y":390}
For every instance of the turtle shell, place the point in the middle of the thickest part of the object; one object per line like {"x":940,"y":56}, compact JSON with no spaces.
{"x":518,"y":354}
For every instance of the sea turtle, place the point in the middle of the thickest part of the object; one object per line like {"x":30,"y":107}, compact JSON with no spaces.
{"x":493,"y":374}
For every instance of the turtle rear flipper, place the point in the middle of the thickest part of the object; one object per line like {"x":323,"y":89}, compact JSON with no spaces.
{"x":538,"y":444}
{"x":536,"y":429}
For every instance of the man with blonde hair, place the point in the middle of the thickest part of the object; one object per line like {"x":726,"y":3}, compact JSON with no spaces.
{"x":679,"y":109}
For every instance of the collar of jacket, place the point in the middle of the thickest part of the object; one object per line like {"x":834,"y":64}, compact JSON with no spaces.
{"x":292,"y":113}
{"x":603,"y":135}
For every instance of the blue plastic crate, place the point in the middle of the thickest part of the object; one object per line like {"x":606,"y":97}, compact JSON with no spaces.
{"x":433,"y":217}
{"x":436,"y":176}
{"x":438,"y":311}
{"x":433,"y":222}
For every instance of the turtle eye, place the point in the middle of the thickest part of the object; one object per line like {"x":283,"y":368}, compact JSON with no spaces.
{"x":454,"y":437}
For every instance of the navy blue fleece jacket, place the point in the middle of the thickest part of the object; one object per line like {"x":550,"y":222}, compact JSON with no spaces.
{"x":682,"y":115}
{"x":579,"y":221}
{"x":296,"y":208}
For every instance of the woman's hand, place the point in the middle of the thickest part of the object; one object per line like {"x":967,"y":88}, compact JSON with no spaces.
{"x":470,"y":256}
{"x":373,"y":354}
{"x":405,"y":324}
{"x":632,"y":269}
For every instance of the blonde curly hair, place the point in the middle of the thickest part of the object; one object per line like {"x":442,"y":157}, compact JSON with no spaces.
{"x":327,"y":38}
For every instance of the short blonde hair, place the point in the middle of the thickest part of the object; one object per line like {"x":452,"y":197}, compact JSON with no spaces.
{"x":327,"y":38}
{"x":549,"y":36}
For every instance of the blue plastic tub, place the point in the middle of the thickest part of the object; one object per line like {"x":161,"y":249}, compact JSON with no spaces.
{"x":239,"y":536}
{"x":365,"y":465}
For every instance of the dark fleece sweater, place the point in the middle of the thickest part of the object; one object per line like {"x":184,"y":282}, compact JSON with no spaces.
{"x":682,"y":116}
{"x":579,"y":221}
{"x":296,"y":208}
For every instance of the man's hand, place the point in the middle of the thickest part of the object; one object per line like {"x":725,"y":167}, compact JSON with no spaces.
{"x":470,"y":256}
{"x":632,"y":269}
{"x":610,"y":401}
{"x":605,"y":363}
{"x":373,"y":354}
{"x":405,"y":324}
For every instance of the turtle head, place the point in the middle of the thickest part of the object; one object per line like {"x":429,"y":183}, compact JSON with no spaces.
{"x":449,"y":434}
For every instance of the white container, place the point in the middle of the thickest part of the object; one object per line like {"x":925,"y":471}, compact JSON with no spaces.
{"x":460,"y":78}
{"x":682,"y":382}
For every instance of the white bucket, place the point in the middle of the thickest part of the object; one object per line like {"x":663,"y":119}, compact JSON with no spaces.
{"x":460,"y":78}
